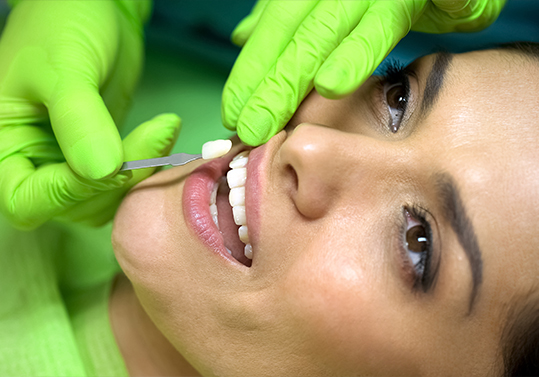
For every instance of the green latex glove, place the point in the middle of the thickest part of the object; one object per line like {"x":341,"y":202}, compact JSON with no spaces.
{"x":291,"y":46}
{"x":33,"y":189}
{"x":154,"y":138}
{"x":68,"y":69}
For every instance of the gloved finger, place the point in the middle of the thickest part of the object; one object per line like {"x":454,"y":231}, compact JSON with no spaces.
{"x":245,"y":27}
{"x":290,"y":80}
{"x":29,"y":196}
{"x":154,"y":138}
{"x":277,"y":26}
{"x":15,"y":111}
{"x":118,"y":90}
{"x":33,"y":188}
{"x":476,"y":16}
{"x":85,"y":130}
{"x":29,"y":141}
{"x":356,"y":58}
{"x":452,"y":6}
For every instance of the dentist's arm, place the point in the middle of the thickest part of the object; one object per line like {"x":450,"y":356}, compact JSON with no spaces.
{"x":289,"y":47}
{"x":67,"y":72}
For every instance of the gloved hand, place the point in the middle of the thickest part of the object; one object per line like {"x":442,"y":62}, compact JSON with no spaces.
{"x":34,"y":189}
{"x":154,"y":138}
{"x":72,"y":66}
{"x":291,"y":46}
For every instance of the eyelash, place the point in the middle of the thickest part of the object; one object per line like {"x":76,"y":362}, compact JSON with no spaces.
{"x":395,"y":74}
{"x":423,"y":272}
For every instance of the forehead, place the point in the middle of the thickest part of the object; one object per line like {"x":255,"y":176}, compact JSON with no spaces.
{"x":486,"y":115}
{"x":486,"y":126}
{"x":487,"y":120}
{"x":500,"y":82}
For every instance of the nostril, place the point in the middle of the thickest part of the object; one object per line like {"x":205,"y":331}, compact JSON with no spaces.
{"x":294,"y":178}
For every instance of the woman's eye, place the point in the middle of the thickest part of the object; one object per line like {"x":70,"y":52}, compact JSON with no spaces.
{"x":418,"y":245}
{"x":396,"y":92}
{"x":396,"y":96}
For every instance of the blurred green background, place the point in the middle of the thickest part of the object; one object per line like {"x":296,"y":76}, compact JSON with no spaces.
{"x":188,"y":58}
{"x":189,"y":87}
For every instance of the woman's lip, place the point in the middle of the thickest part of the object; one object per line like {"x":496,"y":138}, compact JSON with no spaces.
{"x":199,"y":185}
{"x":196,"y":208}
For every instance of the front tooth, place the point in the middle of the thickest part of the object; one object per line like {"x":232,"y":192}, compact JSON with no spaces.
{"x":241,"y":155}
{"x":236,"y":177}
{"x":248,"y":251}
{"x":213,"y":210}
{"x":243,"y":232}
{"x":239,"y":215}
{"x":236,"y":197}
{"x":216,"y":221}
{"x":239,"y":163}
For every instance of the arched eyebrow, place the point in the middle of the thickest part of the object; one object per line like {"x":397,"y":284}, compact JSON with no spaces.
{"x":435,"y":81}
{"x":455,"y":213}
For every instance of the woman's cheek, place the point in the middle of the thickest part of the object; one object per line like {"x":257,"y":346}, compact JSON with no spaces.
{"x":345,"y":311}
{"x":137,"y":231}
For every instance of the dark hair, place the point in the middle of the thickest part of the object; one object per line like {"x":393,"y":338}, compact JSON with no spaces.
{"x":520,"y":337}
{"x":528,"y":49}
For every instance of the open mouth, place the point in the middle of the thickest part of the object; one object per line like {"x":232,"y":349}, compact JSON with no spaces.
{"x":227,"y":208}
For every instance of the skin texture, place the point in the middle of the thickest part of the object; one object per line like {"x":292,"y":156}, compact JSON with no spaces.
{"x":329,"y":291}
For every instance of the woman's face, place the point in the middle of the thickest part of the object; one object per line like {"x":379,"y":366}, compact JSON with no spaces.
{"x":390,"y":231}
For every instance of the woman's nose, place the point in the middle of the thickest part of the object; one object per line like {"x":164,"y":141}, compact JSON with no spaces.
{"x":329,"y":166}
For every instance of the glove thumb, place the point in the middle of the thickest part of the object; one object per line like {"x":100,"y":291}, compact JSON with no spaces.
{"x":153,"y":138}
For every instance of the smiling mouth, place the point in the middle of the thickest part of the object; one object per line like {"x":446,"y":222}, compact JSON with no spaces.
{"x":227,"y":208}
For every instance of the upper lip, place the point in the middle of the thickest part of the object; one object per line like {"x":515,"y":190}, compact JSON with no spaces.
{"x":258,"y":172}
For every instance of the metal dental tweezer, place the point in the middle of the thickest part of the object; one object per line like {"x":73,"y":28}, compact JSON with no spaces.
{"x":174,"y":160}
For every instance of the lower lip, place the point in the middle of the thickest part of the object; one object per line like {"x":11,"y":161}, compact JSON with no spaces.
{"x":196,"y":208}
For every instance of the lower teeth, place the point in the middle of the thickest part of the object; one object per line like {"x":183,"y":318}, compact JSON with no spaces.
{"x":248,"y":251}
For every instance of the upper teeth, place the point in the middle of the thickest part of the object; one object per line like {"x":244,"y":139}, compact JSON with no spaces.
{"x":236,"y":178}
